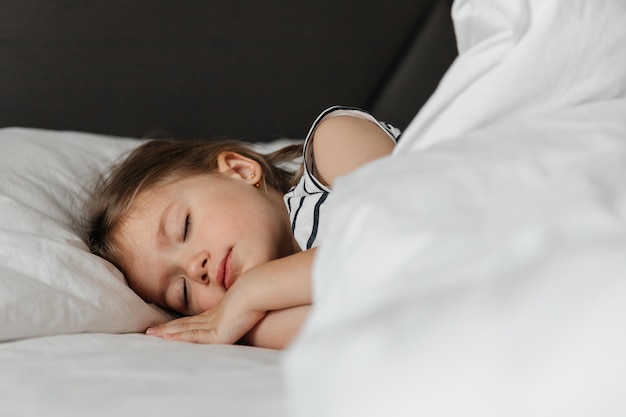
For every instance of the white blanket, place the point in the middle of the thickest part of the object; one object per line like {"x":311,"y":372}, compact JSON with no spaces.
{"x":481,"y":270}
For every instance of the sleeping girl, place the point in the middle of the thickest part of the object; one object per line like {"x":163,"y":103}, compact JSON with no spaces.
{"x":224,"y":235}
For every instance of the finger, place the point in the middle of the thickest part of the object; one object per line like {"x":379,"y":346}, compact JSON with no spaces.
{"x":193,"y":336}
{"x":175,"y":326}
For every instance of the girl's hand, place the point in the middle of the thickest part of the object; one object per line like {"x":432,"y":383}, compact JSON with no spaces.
{"x":226,"y":323}
{"x":272,"y":289}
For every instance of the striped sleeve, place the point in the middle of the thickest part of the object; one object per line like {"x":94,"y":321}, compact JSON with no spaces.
{"x":310,"y":198}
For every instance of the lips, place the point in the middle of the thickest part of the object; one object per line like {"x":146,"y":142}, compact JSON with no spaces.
{"x":224,"y":271}
{"x":228,"y":271}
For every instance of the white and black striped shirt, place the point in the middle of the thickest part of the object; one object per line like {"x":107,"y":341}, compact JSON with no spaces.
{"x":308,"y":200}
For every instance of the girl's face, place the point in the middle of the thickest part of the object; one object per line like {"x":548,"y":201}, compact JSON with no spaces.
{"x":186,"y":242}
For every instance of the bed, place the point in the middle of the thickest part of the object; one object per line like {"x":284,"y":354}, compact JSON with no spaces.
{"x":479,"y":270}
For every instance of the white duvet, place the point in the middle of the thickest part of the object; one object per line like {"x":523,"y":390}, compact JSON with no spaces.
{"x":481,"y":269}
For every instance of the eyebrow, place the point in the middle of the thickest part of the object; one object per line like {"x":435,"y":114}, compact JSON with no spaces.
{"x":163,"y":278}
{"x":161,"y":297}
{"x":163,"y":302}
{"x":163,"y":219}
{"x":175,"y":306}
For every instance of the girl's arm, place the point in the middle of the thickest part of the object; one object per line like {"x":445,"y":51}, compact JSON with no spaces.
{"x":277,"y":329}
{"x":343,"y":143}
{"x":274,"y":287}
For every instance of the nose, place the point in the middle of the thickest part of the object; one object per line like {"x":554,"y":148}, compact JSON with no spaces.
{"x":197,"y":267}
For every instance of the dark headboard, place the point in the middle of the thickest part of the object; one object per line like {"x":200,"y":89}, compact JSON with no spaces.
{"x":249,"y":69}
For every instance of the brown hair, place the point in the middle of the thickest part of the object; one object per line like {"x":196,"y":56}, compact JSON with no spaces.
{"x":160,"y":161}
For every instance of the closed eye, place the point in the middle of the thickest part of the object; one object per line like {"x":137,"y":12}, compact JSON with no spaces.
{"x":186,"y":227}
{"x":185,"y":295}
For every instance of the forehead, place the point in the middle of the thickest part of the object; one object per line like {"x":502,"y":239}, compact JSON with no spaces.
{"x":158,"y":196}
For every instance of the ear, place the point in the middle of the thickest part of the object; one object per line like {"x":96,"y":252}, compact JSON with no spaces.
{"x":236,"y":165}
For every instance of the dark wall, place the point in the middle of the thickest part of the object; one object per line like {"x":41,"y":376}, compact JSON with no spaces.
{"x":202,"y":68}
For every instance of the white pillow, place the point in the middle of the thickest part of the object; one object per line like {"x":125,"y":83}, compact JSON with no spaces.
{"x":49,"y":282}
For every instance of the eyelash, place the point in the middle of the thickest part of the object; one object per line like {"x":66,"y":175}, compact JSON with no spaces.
{"x":186,"y":227}
{"x":185,"y":296}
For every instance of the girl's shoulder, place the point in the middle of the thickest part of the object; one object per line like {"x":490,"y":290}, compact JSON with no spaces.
{"x":344,"y":138}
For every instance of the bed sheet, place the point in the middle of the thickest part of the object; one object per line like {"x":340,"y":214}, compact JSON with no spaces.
{"x":137,"y":375}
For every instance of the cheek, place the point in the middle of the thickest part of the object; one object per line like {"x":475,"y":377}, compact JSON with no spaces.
{"x":205,"y":298}
{"x":240,"y":218}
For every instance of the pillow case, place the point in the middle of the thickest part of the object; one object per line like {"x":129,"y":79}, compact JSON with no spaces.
{"x":49,"y":282}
